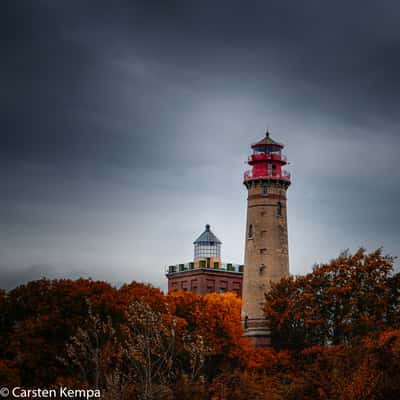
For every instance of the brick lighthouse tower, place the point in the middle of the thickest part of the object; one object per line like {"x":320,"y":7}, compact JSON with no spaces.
{"x":266,"y":251}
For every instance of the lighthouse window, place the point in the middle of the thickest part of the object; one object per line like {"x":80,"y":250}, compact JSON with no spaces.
{"x":250,"y":233}
{"x":279,"y":209}
{"x":265,"y":190}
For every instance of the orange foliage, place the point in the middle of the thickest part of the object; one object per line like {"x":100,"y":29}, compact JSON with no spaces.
{"x":335,"y":331}
{"x":216,"y":317}
{"x":336,"y":303}
{"x":135,"y":291}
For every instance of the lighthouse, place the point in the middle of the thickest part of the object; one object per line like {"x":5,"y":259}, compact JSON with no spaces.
{"x":266,"y":245}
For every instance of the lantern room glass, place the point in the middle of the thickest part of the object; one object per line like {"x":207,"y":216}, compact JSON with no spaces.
{"x":207,"y":250}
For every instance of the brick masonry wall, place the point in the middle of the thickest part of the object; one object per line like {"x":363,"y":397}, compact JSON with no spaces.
{"x":266,"y":251}
{"x":202,"y":281}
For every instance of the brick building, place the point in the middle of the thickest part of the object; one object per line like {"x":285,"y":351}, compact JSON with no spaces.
{"x":206,"y":273}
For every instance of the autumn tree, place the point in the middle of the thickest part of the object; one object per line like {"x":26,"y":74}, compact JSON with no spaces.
{"x":335,"y":333}
{"x":93,"y":359}
{"x":216,"y":318}
{"x":147,"y":357}
{"x":144,"y":293}
{"x":41,"y":316}
{"x":148,"y":349}
{"x":347,"y":298}
{"x":9,"y":373}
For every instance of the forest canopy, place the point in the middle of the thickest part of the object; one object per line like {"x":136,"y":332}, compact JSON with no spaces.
{"x":335,"y":335}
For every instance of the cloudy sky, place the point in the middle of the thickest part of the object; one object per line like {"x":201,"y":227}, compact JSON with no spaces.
{"x":124,"y":128}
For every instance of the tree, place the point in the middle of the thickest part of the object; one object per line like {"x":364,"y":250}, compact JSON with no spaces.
{"x":216,"y":318}
{"x":149,"y":349}
{"x":339,"y":301}
{"x":41,"y":316}
{"x":93,"y":358}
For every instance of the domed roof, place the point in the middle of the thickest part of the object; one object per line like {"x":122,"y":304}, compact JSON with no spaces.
{"x":267,"y":141}
{"x":207,"y":237}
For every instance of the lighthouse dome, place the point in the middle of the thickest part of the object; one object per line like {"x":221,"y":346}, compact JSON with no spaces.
{"x":207,"y":245}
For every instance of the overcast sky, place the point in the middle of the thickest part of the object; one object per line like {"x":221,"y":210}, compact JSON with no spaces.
{"x":125,"y":126}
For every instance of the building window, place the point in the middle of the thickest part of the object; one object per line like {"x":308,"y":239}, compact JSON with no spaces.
{"x":279,"y":209}
{"x":263,"y":251}
{"x":210,"y":285}
{"x":250,"y":233}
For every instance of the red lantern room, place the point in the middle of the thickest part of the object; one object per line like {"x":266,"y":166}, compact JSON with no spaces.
{"x":267,"y":161}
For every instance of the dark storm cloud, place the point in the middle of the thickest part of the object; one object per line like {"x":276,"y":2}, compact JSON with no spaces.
{"x":109,"y":107}
{"x":61,"y":75}
{"x":335,"y":53}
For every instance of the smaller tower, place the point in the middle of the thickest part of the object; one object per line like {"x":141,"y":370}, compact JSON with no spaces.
{"x":206,"y":273}
{"x":207,"y":247}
